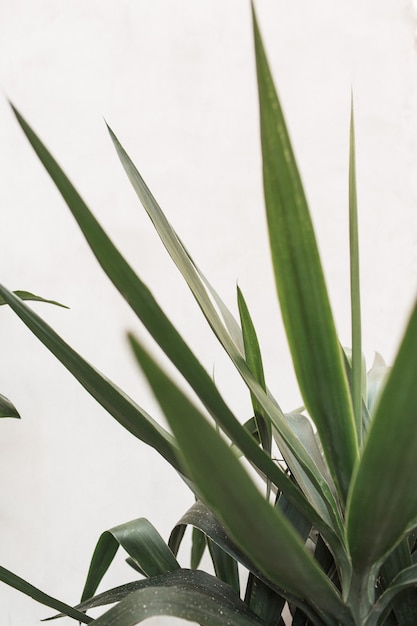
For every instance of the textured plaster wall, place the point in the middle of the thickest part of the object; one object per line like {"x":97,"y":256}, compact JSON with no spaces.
{"x":176,"y":81}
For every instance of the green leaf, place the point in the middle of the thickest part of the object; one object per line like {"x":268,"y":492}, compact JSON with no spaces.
{"x":404,"y":580}
{"x":198,"y":547}
{"x":22,"y":585}
{"x":405,"y":603}
{"x":277,"y":550}
{"x":26,"y":295}
{"x":115,"y":401}
{"x":355,"y":287}
{"x":144,"y":305}
{"x":141,"y":541}
{"x":199,"y":516}
{"x":7,"y":409}
{"x":383,"y":499}
{"x":189,"y":594}
{"x":254,"y":361}
{"x":230,"y":340}
{"x":301,"y":287}
{"x":225,"y":566}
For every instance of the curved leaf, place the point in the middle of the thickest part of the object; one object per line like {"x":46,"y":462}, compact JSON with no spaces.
{"x":143,"y":544}
{"x":191,"y":595}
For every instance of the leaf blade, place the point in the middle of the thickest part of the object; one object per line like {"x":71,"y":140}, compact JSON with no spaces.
{"x":383,"y":501}
{"x":301,"y":288}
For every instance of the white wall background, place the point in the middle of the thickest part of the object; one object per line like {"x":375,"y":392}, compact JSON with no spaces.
{"x":177,"y":83}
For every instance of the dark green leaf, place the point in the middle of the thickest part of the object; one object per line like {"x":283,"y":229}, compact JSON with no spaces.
{"x":198,"y":547}
{"x":143,"y":303}
{"x":254,"y":361}
{"x":115,"y":401}
{"x":22,"y":585}
{"x":383,"y":499}
{"x":7,"y":409}
{"x":216,"y":472}
{"x":189,"y":594}
{"x":141,"y":541}
{"x":301,"y":288}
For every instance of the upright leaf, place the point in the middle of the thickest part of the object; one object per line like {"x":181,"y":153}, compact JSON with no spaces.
{"x":383,"y":499}
{"x":216,"y":472}
{"x":355,"y":287}
{"x":301,"y":288}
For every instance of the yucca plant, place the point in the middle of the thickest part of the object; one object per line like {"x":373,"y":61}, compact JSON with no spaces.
{"x":329,"y":538}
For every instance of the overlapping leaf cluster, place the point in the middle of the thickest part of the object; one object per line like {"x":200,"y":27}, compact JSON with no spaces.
{"x":332,"y":538}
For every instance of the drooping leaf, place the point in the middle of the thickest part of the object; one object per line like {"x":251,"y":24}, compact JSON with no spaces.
{"x":143,"y":544}
{"x":189,"y":594}
{"x":215,"y":472}
{"x":22,"y":585}
{"x":383,"y":500}
{"x":7,"y":409}
{"x":301,"y":287}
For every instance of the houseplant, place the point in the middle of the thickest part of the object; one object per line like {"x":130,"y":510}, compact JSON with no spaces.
{"x":332,"y":534}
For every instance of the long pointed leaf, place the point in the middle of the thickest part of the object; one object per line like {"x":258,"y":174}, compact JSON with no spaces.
{"x":145,"y":306}
{"x":115,"y":401}
{"x":231,"y":342}
{"x":301,"y":288}
{"x":22,"y":585}
{"x":355,"y":287}
{"x":267,"y":537}
{"x":383,"y":500}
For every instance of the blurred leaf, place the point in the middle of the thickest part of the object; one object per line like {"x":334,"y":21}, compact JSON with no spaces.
{"x":376,"y":378}
{"x":404,"y":580}
{"x":26,"y":295}
{"x":405,"y":603}
{"x":22,"y":585}
{"x":189,"y":594}
{"x":216,"y":472}
{"x":383,"y":499}
{"x":301,"y":287}
{"x":115,"y":401}
{"x":141,"y":541}
{"x":7,"y":409}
